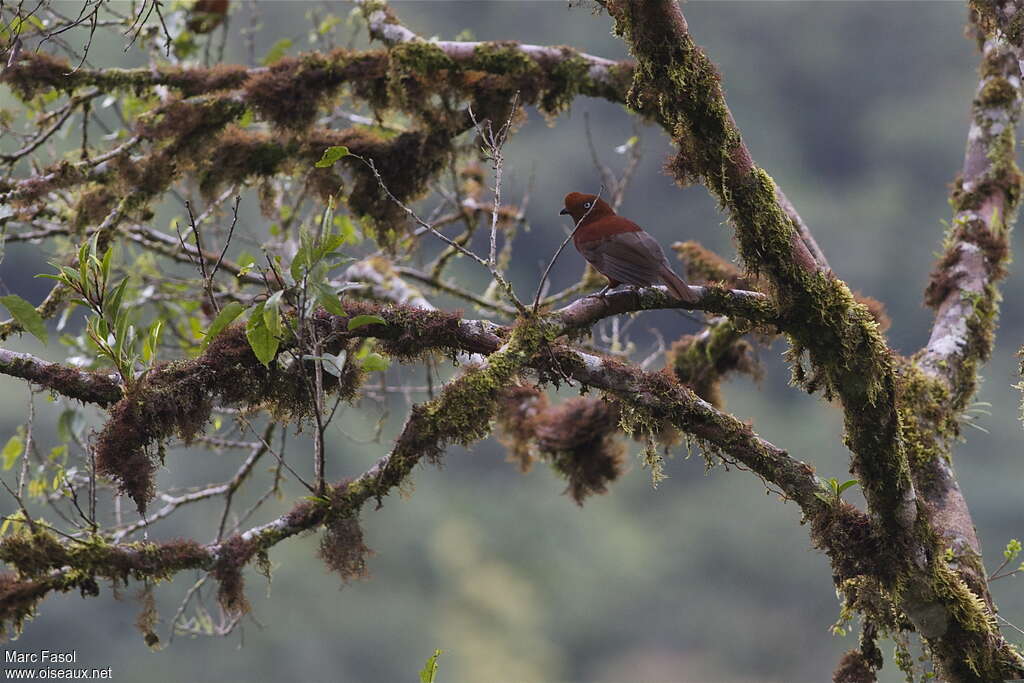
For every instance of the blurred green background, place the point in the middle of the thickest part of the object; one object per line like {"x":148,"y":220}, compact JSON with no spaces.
{"x":860,"y":112}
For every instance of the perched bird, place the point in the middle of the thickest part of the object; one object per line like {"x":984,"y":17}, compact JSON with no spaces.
{"x":619,"y":248}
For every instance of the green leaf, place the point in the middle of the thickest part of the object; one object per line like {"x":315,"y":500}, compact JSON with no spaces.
{"x":299,"y":263}
{"x":331,"y":155}
{"x":347,"y":230}
{"x":17,"y":518}
{"x":277,"y":51}
{"x":329,"y":300}
{"x":363,"y":320}
{"x":26,"y":316}
{"x":105,"y":266}
{"x":124,"y":335}
{"x":845,"y":485}
{"x":113,"y":301}
{"x":264,"y":344}
{"x":272,"y":314}
{"x":58,"y":454}
{"x":150,"y":346}
{"x":83,"y":270}
{"x":226,"y":316}
{"x":12,"y":451}
{"x":330,"y":243}
{"x":374,"y":362}
{"x":429,"y":673}
{"x":326,"y":222}
{"x":195,"y":326}
{"x":69,"y":424}
{"x":246,"y":262}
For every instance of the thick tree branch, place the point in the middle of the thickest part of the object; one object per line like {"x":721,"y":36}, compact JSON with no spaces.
{"x":1004,"y":21}
{"x":461,"y":413}
{"x":676,"y":82}
{"x":663,"y":399}
{"x":963,"y":291}
{"x":605,"y":76}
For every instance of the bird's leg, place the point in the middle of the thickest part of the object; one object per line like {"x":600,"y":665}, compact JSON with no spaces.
{"x":602,"y":292}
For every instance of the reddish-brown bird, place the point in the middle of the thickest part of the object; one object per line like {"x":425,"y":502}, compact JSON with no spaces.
{"x":619,"y":248}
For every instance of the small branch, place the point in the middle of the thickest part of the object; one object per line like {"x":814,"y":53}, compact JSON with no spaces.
{"x":385,"y":27}
{"x":454,"y":290}
{"x":551,"y":263}
{"x":65,"y":112}
{"x":82,"y":385}
{"x":444,"y":238}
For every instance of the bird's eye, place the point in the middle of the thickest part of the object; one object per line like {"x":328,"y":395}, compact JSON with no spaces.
{"x":586,"y":205}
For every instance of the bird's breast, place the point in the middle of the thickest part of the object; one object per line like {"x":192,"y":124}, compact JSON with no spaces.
{"x":604,"y":227}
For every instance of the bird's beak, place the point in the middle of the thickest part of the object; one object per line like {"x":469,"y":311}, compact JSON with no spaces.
{"x":563,"y":212}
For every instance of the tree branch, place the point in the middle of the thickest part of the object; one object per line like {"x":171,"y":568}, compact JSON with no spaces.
{"x":676,"y":83}
{"x":85,"y":386}
{"x":963,"y":291}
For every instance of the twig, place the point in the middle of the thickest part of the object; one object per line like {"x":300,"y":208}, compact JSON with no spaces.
{"x":23,"y":476}
{"x":547,"y":271}
{"x":227,"y":242}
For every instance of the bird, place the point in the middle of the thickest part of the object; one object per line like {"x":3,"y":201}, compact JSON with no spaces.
{"x":620,"y":249}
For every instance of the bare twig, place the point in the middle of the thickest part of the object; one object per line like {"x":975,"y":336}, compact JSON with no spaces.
{"x":547,"y":271}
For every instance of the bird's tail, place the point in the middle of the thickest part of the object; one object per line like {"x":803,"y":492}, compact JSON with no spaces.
{"x":677,"y":286}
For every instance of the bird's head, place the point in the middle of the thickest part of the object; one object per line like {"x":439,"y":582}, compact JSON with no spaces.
{"x":579,"y":205}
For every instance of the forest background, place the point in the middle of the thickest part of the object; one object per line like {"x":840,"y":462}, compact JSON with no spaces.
{"x":859,"y":110}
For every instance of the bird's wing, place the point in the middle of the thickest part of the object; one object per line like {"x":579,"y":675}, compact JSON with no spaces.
{"x":632,"y":258}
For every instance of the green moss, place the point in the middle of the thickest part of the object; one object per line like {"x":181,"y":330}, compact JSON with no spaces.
{"x":702,"y":361}
{"x":564,"y":82}
{"x":981,"y":329}
{"x":997,"y":92}
{"x":463,"y":412}
{"x":504,"y":58}
{"x":988,"y":13}
{"x":420,"y":57}
{"x":928,"y":426}
{"x":970,"y":611}
{"x":37,"y":554}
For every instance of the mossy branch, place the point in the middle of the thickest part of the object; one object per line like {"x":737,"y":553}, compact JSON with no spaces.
{"x":662,"y":399}
{"x":986,"y":198}
{"x":573,"y":71}
{"x":938,"y":387}
{"x":462,"y":413}
{"x":82,"y":385}
{"x":1003,"y":20}
{"x":676,"y":82}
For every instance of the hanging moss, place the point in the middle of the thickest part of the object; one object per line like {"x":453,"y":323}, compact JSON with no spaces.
{"x":565,"y":80}
{"x":176,"y":399}
{"x":238,"y":155}
{"x":703,"y":361}
{"x":292,"y":89}
{"x":518,"y":408}
{"x":579,"y":439}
